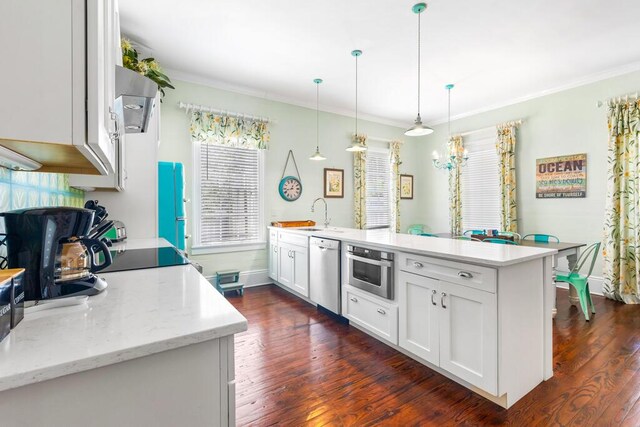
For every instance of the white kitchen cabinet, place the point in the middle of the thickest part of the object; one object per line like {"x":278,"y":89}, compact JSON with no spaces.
{"x":451,"y":325}
{"x":293,"y":267}
{"x":62,"y":83}
{"x":286,"y":265}
{"x":469,"y":335}
{"x":273,"y":255}
{"x":418,"y":306}
{"x":371,"y":312}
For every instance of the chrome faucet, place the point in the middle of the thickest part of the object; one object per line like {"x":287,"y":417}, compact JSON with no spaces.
{"x":326,"y":220}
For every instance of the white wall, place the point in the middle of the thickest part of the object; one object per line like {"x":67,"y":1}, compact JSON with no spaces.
{"x":294,"y":129}
{"x":567,"y":122}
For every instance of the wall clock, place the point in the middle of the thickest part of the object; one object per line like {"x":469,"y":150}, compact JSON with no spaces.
{"x":290,"y":187}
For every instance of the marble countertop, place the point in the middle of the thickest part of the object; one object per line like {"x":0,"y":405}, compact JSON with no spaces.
{"x":489,"y":254}
{"x":141,"y":312}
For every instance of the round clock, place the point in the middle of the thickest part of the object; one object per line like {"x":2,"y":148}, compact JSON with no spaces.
{"x":290,"y":188}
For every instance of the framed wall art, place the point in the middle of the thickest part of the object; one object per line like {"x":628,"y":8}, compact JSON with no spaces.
{"x":406,"y":186}
{"x":333,"y":183}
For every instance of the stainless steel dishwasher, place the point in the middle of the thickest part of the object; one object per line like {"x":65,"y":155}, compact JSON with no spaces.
{"x":324,"y":273}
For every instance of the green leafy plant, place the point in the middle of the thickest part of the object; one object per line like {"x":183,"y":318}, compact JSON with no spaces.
{"x":148,"y":67}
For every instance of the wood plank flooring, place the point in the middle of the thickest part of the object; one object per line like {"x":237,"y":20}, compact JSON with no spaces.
{"x":296,"y":366}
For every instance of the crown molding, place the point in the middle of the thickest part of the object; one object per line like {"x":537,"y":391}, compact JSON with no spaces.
{"x":243,"y":90}
{"x":583,"y":81}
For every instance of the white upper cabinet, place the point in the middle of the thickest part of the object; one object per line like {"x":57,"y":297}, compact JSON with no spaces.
{"x":58,"y":83}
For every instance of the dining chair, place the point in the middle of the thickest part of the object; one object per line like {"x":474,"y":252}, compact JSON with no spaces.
{"x":428,"y":235}
{"x":500,"y":241}
{"x":468,"y":238}
{"x":542,"y":238}
{"x":581,"y":282}
{"x":415,"y":229}
{"x":516,"y":236}
{"x":473,"y":232}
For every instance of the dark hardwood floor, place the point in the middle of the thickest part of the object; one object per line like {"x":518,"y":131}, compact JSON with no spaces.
{"x":296,"y":366}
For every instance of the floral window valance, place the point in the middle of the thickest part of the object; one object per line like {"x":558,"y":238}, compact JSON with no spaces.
{"x":230,"y":131}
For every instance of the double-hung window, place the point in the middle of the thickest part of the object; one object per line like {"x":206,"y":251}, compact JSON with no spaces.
{"x":480,"y":185}
{"x":228,"y":198}
{"x":378,"y":186}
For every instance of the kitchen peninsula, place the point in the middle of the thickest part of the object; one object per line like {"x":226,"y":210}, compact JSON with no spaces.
{"x":472,"y":311}
{"x":154,"y":348}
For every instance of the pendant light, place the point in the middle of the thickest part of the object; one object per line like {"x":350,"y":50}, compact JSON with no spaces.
{"x":355,"y":144}
{"x":317,"y":156}
{"x":451,"y":159}
{"x":418,"y":129}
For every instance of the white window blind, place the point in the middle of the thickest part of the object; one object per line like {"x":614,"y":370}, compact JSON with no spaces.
{"x":378,"y":182}
{"x":229,"y":196}
{"x":481,"y":187}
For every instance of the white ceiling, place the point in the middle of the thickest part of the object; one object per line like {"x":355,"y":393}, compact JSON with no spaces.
{"x":495,"y":51}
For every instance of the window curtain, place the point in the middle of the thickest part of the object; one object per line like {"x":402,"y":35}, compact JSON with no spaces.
{"x":394,"y":151}
{"x":506,"y":147}
{"x":230,"y":131}
{"x":621,"y":250}
{"x":360,"y":185}
{"x":455,"y":147}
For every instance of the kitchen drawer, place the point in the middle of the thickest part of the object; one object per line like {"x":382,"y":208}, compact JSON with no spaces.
{"x":473,"y":276}
{"x":369,"y":312}
{"x":293,"y":239}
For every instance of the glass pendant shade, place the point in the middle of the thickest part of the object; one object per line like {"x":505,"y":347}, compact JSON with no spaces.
{"x":418,"y":129}
{"x":355,"y":144}
{"x":317,"y":156}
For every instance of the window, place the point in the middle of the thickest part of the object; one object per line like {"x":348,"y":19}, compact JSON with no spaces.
{"x":228,"y":205}
{"x":378,"y":183}
{"x":480,"y":186}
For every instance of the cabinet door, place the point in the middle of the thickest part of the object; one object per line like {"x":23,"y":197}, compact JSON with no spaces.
{"x":368,"y":311}
{"x":300,"y":270}
{"x":419,"y":307}
{"x":468,"y":335}
{"x":273,"y":261}
{"x":285,"y":266}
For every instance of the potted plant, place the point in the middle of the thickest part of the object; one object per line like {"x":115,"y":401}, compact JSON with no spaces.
{"x":148,"y":67}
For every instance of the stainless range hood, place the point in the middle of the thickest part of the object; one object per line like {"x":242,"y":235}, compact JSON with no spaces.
{"x":138,"y":96}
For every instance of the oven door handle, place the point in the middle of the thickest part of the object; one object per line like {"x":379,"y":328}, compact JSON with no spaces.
{"x":381,"y":263}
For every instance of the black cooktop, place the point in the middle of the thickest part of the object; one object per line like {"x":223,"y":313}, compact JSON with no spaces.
{"x":138,"y":259}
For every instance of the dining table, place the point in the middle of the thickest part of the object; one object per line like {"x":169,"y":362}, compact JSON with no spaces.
{"x":568,"y":250}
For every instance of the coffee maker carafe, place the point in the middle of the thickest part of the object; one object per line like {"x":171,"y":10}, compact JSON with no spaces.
{"x":51,"y":245}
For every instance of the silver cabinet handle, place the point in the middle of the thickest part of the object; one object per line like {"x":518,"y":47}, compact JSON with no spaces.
{"x":275,"y":249}
{"x":290,"y":254}
{"x":381,"y":311}
{"x":465,"y":274}
{"x":417,"y":264}
{"x":116,"y":133}
{"x":354,"y":299}
{"x":442,"y":300}
{"x":433,"y":294}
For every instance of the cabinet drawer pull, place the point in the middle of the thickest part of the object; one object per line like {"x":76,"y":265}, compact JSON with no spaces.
{"x":275,"y":249}
{"x":417,"y":264}
{"x":354,"y":299}
{"x":381,"y":311}
{"x":433,"y":294}
{"x":442,"y":300}
{"x":465,"y":274}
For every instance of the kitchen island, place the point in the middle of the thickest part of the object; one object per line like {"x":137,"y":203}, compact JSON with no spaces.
{"x":154,"y":348}
{"x":474,"y":312}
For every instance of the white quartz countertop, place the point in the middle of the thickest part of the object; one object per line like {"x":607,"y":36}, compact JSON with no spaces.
{"x":141,"y":312}
{"x":489,"y":254}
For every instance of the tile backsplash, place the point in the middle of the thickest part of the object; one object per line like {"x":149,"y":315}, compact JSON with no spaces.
{"x":34,"y":189}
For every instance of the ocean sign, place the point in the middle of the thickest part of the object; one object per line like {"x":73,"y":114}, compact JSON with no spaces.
{"x":561,"y":177}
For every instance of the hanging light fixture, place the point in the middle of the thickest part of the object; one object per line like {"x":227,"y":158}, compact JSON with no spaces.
{"x":317,"y":155}
{"x":356,"y":145}
{"x":418,"y":129}
{"x":451,"y":159}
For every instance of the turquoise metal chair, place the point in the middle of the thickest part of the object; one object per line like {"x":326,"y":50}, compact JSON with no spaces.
{"x":415,"y":229}
{"x":516,"y":236}
{"x":542,"y":238}
{"x":500,"y":241}
{"x":581,"y":282}
{"x":473,"y":232}
{"x":468,"y":238}
{"x":428,"y":235}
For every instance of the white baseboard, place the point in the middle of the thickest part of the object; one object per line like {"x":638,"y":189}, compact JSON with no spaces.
{"x":250,"y":278}
{"x":595,"y":284}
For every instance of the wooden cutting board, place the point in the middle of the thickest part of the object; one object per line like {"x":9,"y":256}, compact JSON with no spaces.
{"x":285,"y":224}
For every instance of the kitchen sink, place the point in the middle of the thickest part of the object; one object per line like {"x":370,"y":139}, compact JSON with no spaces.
{"x":321,"y":229}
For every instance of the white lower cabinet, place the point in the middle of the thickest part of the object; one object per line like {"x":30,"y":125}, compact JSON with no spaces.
{"x":273,"y":260}
{"x":293,"y":267}
{"x":371,"y":313}
{"x":452,"y":326}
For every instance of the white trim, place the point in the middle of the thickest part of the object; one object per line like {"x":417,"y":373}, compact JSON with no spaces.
{"x":242,"y":90}
{"x":228,"y":247}
{"x":197,"y":248}
{"x":250,"y":279}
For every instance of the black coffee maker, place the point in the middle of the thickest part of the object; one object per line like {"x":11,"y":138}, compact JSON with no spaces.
{"x":51,"y":244}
